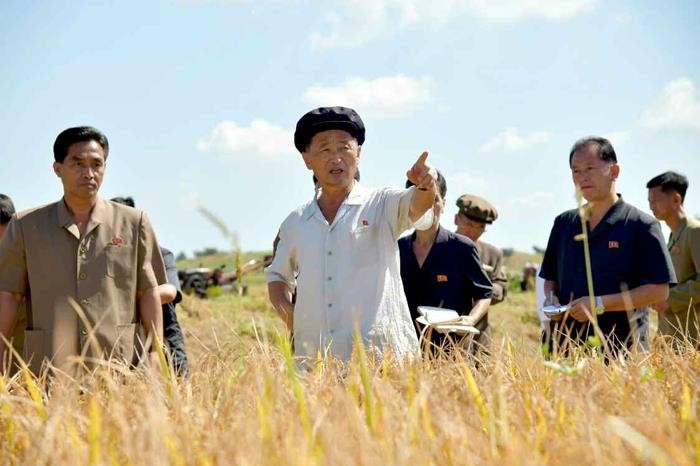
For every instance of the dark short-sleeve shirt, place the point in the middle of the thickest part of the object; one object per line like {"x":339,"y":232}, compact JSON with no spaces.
{"x":171,"y":272}
{"x":451,"y":276}
{"x":627,"y":250}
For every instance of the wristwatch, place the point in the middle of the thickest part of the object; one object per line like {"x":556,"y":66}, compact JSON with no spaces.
{"x":599,"y":308}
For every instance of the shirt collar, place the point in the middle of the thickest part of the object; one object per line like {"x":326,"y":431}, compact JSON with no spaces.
{"x":357,"y":196}
{"x":443,"y":235}
{"x":98,"y":215}
{"x":616,"y":211}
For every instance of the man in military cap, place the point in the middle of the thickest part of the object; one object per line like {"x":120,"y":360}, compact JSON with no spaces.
{"x":474,"y":214}
{"x":339,"y":250}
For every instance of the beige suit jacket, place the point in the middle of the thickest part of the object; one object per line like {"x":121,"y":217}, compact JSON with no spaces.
{"x":81,"y":292}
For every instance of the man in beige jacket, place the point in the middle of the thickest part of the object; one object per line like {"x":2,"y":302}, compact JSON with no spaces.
{"x":85,"y":265}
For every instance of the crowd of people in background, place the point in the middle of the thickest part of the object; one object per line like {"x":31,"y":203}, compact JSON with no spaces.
{"x":83,"y":279}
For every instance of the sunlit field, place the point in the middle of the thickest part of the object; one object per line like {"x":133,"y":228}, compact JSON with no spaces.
{"x":245,"y":403}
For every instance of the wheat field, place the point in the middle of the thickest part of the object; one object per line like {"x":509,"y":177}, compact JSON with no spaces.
{"x":245,"y":403}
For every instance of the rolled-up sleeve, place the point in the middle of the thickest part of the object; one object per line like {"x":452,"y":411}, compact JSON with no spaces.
{"x":13,"y":263}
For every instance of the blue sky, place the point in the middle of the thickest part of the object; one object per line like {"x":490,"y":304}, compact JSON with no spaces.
{"x":200,"y":98}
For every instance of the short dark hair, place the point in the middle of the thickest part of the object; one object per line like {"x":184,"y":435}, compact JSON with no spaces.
{"x":7,"y":209}
{"x":441,"y":182}
{"x":78,"y":134}
{"x":670,"y":181}
{"x":124,"y":200}
{"x":605,"y":148}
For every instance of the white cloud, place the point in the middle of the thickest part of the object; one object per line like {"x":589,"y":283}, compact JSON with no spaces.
{"x":516,"y":10}
{"x":617,"y":138}
{"x":387,"y":96}
{"x":259,"y":140}
{"x":623,"y":18}
{"x":511,"y":140}
{"x":678,"y":107}
{"x":355,"y":22}
{"x":464,"y":182}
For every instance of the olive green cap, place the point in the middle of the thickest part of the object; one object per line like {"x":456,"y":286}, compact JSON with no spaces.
{"x":477,"y":208}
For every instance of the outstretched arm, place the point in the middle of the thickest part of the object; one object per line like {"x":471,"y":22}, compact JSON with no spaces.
{"x":424,"y":176}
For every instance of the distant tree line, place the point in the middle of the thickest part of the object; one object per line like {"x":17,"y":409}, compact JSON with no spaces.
{"x":197,"y":254}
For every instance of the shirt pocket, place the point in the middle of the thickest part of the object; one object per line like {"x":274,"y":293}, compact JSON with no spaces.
{"x":364,"y":246}
{"x":118,"y":262}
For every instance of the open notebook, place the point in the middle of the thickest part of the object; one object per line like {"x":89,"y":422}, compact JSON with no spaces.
{"x":444,"y":320}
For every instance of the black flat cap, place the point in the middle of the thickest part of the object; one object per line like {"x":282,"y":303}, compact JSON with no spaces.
{"x":477,"y":208}
{"x":325,"y":118}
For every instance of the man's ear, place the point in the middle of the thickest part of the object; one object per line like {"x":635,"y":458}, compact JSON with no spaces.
{"x":615,"y":171}
{"x":677,"y":199}
{"x":307,"y":161}
{"x":57,"y":168}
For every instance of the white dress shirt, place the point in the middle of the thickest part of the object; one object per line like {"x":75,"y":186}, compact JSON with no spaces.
{"x":347,"y":274}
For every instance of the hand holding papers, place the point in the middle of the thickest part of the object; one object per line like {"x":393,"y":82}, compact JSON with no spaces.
{"x":445,"y":321}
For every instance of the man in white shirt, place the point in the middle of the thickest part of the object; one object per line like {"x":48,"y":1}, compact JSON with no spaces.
{"x":339,"y":250}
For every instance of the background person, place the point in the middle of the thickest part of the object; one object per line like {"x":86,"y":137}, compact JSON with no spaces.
{"x":442,"y":269}
{"x":471,"y":219}
{"x":85,"y":265}
{"x":7,"y":210}
{"x":631,"y":267}
{"x":339,"y":250}
{"x":170,"y":295}
{"x":679,"y":315}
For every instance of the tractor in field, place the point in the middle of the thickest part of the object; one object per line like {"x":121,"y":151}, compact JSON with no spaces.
{"x":197,"y":280}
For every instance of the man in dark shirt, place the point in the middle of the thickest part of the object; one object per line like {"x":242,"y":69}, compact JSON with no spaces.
{"x":442,"y":269}
{"x":631,"y":268}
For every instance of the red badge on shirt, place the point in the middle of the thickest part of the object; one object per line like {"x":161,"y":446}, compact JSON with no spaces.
{"x":365,"y":223}
{"x":613,"y":245}
{"x":441,"y":278}
{"x":117,"y":241}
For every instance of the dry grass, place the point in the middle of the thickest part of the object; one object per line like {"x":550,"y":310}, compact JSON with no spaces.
{"x":245,"y":404}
